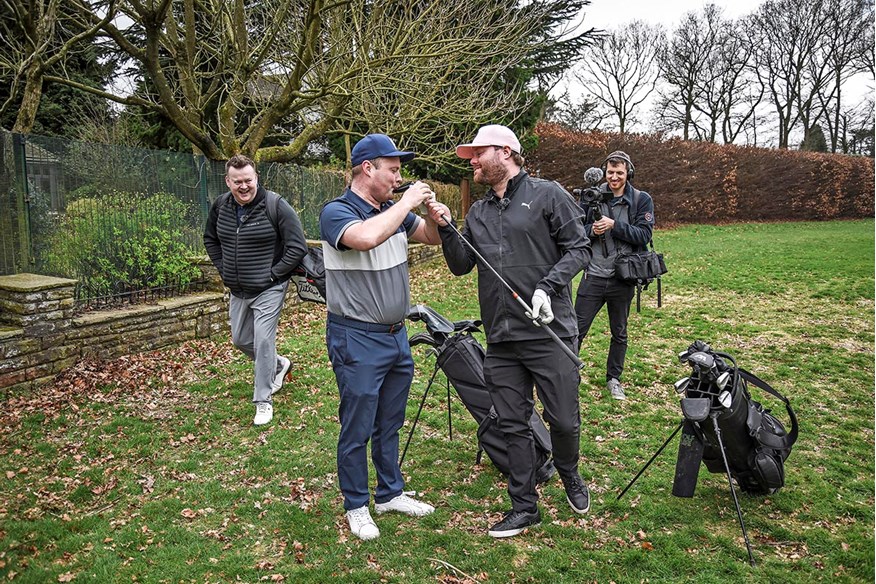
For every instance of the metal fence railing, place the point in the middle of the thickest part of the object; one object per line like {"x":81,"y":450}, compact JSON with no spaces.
{"x":126,"y":221}
{"x":123,"y":221}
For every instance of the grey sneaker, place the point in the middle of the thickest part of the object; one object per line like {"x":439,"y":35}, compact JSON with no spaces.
{"x":617,"y":391}
{"x":280,"y":377}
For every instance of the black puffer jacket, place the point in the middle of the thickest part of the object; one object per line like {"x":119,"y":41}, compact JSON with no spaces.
{"x":534,"y":237}
{"x":251,"y":255}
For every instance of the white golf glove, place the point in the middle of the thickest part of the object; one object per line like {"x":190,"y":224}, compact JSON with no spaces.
{"x":541,"y":308}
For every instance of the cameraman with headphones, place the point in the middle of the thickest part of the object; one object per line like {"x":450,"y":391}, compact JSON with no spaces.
{"x":626,"y":225}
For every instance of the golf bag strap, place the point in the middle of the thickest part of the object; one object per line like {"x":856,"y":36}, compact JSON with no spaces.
{"x":774,"y":442}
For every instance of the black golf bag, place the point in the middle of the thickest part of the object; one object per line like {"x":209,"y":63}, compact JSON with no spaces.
{"x":461,"y":357}
{"x":309,"y":276}
{"x":755,"y":443}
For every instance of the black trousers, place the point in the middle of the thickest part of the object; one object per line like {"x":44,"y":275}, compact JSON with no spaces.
{"x":593,"y":293}
{"x":510,"y":370}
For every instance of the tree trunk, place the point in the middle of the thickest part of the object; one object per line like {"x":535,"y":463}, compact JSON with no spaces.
{"x":30,"y":101}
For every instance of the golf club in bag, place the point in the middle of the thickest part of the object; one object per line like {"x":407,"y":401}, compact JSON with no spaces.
{"x":725,"y":429}
{"x":461,"y":357}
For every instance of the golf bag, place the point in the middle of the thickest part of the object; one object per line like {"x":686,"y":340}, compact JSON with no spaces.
{"x":461,"y":357}
{"x":755,"y":443}
{"x":309,"y":276}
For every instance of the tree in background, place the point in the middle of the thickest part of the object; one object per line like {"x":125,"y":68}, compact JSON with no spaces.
{"x":230,"y":75}
{"x":40,"y":39}
{"x":620,"y":70}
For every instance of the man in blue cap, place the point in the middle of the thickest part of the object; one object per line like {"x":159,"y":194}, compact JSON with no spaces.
{"x":365,"y":245}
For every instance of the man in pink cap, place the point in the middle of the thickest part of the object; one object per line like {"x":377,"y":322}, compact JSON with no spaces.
{"x":531,"y":231}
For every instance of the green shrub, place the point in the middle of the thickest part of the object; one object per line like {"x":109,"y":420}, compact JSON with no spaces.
{"x":123,"y":242}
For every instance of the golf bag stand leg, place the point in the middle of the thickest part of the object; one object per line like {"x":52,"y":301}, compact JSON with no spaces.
{"x":647,"y":464}
{"x":449,"y":417}
{"x":733,"y":491}
{"x":417,"y":417}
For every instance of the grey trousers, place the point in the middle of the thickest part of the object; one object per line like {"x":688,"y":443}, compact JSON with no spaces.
{"x":254,"y":331}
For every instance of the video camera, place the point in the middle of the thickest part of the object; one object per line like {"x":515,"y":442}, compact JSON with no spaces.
{"x":591,"y":196}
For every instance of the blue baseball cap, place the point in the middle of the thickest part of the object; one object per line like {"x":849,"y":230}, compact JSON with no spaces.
{"x":377,"y":146}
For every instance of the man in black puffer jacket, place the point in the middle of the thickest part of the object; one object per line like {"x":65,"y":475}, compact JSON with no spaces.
{"x":255,"y":240}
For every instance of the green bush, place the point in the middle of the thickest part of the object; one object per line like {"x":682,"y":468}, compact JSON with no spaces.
{"x":123,"y":242}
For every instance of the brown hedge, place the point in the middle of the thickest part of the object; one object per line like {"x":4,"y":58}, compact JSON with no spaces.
{"x":701,"y":182}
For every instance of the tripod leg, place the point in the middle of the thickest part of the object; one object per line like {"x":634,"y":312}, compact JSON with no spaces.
{"x":656,"y":454}
{"x":449,"y":418}
{"x":417,"y":417}
{"x":733,"y":492}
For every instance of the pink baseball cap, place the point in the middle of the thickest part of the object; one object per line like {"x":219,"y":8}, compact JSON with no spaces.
{"x":492,"y":135}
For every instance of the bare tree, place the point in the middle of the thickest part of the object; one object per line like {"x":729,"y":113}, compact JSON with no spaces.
{"x":791,"y":46}
{"x":227,"y":74}
{"x":38,"y":37}
{"x":620,"y":69}
{"x":683,"y":61}
{"x":851,"y":35}
{"x":580,"y":116}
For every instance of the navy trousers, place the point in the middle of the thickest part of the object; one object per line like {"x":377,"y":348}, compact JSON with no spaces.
{"x":374,"y":371}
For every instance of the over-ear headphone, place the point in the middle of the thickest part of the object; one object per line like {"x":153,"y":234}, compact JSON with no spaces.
{"x":620,"y":155}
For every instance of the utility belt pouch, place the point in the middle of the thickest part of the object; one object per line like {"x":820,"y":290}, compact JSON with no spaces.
{"x":639,"y":267}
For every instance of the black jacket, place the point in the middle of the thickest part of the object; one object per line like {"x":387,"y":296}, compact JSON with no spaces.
{"x":534,"y":237}
{"x":631,"y":232}
{"x":251,"y":255}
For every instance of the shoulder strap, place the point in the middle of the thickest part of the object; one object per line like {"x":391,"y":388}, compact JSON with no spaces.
{"x":272,"y":207}
{"x":776,"y":442}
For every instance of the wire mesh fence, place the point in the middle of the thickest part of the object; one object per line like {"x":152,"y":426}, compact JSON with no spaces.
{"x":126,"y":222}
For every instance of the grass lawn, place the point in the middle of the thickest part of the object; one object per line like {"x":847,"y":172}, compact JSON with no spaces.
{"x":148,"y":469}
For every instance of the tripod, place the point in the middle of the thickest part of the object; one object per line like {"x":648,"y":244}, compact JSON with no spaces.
{"x":693,"y":415}
{"x":420,"y":409}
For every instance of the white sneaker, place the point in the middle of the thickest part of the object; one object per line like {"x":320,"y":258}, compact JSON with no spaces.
{"x":361,"y":523}
{"x":264,"y":414}
{"x":406,"y":505}
{"x":280,"y":377}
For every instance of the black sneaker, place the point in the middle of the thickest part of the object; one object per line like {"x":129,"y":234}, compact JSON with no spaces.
{"x":545,"y":473}
{"x":577,"y":493}
{"x":514,"y":522}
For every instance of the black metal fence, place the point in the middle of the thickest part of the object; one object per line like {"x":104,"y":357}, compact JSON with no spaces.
{"x":122,"y":220}
{"x":125,"y":222}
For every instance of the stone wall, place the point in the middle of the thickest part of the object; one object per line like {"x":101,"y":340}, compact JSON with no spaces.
{"x":40,"y":335}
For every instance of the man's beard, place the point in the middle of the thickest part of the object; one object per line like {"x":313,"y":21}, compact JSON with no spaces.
{"x":489,"y":175}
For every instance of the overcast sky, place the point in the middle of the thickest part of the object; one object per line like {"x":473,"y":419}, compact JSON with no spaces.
{"x":607,"y":14}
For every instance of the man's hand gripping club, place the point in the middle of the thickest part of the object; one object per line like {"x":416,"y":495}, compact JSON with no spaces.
{"x":541,"y":308}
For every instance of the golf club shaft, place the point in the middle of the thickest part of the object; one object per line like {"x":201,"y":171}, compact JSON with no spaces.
{"x":578,"y":363}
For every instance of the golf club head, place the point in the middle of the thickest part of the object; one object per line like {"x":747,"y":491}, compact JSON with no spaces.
{"x":725,"y":399}
{"x":681,"y":384}
{"x":470,"y":326}
{"x":723,"y":379}
{"x":702,"y":362}
{"x":435,"y":323}
{"x":423,"y":338}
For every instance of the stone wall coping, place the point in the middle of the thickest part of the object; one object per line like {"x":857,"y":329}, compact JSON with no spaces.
{"x":33,"y":282}
{"x":115,"y":314}
{"x":7,"y":332}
